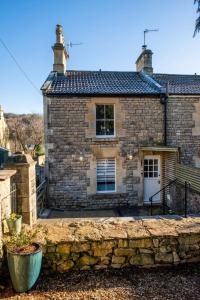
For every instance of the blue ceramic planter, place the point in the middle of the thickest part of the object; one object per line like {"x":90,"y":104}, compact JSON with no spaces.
{"x":24,"y":269}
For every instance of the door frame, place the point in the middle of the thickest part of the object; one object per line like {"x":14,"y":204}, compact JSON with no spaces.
{"x":159,"y":157}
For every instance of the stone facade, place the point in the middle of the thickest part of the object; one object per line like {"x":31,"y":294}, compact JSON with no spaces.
{"x":139,"y":122}
{"x":70,"y":131}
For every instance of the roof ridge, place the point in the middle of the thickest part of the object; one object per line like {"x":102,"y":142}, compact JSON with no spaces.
{"x":169,"y":74}
{"x":101,"y":71}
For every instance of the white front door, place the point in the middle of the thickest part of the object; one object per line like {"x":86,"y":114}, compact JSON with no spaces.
{"x":151,"y":178}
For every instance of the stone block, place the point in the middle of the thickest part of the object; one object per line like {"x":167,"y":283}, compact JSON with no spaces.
{"x":63,"y":248}
{"x":164,"y":258}
{"x":87,"y":260}
{"x":116,"y":266}
{"x":80,"y":247}
{"x":99,"y":267}
{"x":123,"y":244}
{"x":104,"y":248}
{"x":142,"y":259}
{"x":118,"y":259}
{"x":65,"y":266}
{"x":124,"y":252}
{"x":141,"y":243}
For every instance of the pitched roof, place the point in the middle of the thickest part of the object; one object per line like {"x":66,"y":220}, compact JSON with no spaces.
{"x":119,"y":83}
{"x":179,"y":84}
{"x":100,"y":83}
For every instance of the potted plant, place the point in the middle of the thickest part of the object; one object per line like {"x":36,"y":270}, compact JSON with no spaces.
{"x":24,"y":257}
{"x":14,"y":223}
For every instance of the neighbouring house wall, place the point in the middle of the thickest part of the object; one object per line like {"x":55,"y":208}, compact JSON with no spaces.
{"x":70,"y":131}
{"x":184,"y":127}
{"x":4,"y":134}
{"x":6,"y":179}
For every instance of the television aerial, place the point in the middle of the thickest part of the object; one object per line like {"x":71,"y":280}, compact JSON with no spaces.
{"x":147,"y":31}
{"x":70,"y":44}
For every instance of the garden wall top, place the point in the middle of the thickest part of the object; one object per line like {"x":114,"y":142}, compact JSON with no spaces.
{"x":62,"y":230}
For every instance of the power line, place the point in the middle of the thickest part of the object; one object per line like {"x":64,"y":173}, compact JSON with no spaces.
{"x":19,"y":67}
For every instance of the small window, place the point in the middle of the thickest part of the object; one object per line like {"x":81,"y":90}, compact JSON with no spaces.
{"x":105,"y":120}
{"x":106,"y":175}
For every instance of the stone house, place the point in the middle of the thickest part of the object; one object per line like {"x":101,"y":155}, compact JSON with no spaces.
{"x":4,"y":132}
{"x":113,"y":138}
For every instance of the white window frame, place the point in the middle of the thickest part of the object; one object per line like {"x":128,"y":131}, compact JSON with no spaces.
{"x":106,"y":192}
{"x":104,"y":136}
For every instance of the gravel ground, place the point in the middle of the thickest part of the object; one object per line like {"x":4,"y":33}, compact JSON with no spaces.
{"x":181,"y":283}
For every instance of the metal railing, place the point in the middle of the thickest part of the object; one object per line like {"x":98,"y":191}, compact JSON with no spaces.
{"x":10,"y":200}
{"x":41,"y":193}
{"x":161,"y":190}
{"x":187,"y":186}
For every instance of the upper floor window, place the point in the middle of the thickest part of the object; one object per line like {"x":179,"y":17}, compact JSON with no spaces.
{"x":105,"y":123}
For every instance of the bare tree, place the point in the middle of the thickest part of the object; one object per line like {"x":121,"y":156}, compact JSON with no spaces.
{"x":26,"y":132}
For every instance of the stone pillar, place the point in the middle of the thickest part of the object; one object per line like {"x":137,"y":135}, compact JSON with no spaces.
{"x":25,"y":180}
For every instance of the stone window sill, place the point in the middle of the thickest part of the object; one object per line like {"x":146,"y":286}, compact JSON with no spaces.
{"x":104,"y":139}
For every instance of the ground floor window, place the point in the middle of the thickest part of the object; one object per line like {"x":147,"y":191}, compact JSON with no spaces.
{"x":106,"y":175}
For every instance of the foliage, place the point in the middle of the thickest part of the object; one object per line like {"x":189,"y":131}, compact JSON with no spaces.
{"x":14,"y":216}
{"x":26,"y":132}
{"x":197,"y":25}
{"x":39,"y":150}
{"x":25,"y":238}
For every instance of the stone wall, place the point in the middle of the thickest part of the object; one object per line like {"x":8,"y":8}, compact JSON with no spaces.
{"x":177,"y":202}
{"x":70,"y":132}
{"x":116,"y":244}
{"x":184,"y":127}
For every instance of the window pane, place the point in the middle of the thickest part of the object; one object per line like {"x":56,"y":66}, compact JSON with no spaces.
{"x":100,"y":128}
{"x":110,"y":186}
{"x":145,"y":174}
{"x":109,"y":130}
{"x":155,"y":161}
{"x":155,"y":168}
{"x":155,"y":174}
{"x":100,"y":111}
{"x":150,"y":174}
{"x":109,"y":111}
{"x":146,"y":162}
{"x":150,"y":168}
{"x":151,"y":161}
{"x":145,"y":168}
{"x":105,"y":175}
{"x":101,"y":186}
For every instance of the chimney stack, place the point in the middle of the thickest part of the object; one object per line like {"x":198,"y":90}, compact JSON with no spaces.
{"x":60,"y":53}
{"x":144,"y":61}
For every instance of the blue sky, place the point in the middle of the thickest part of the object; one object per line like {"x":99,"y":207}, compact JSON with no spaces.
{"x":111,"y":32}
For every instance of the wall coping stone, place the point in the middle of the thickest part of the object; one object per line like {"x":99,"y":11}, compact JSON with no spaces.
{"x":81,"y":230}
{"x":5,"y":174}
